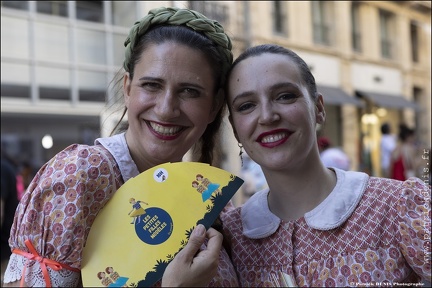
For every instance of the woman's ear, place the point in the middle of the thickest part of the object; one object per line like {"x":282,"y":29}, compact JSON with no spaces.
{"x":319,"y":109}
{"x":126,"y":88}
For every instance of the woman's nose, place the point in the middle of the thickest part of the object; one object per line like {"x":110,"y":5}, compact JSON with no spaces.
{"x":168,"y":105}
{"x":268,"y":114}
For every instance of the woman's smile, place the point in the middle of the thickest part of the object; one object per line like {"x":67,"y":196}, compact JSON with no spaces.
{"x":165,"y":131}
{"x":273,"y":138}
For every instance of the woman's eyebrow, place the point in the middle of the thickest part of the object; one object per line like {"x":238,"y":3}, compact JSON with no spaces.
{"x":148,"y":78}
{"x":284,"y":85}
{"x":242,"y":95}
{"x":182,"y":84}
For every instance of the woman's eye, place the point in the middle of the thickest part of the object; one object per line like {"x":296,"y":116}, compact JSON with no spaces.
{"x":287,"y":96}
{"x":244,"y":107}
{"x":190,"y":92}
{"x":152,"y":86}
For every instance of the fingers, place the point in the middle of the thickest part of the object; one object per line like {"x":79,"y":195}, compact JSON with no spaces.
{"x":214,"y":241}
{"x":195,"y":242}
{"x":208,"y":258}
{"x":195,"y":265}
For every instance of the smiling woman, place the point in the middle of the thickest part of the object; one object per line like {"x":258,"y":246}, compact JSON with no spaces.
{"x":314,"y":226}
{"x":170,"y":102}
{"x":174,"y":71}
{"x":264,"y":99}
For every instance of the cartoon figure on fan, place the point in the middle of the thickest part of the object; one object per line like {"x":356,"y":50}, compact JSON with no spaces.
{"x":205,"y":187}
{"x":137,"y":210}
{"x":117,"y":280}
{"x":105,"y":280}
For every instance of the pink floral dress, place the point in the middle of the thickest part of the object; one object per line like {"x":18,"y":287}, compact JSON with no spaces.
{"x":60,"y":205}
{"x":368,"y":232}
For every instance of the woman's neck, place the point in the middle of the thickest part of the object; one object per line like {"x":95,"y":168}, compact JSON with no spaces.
{"x":293,"y":193}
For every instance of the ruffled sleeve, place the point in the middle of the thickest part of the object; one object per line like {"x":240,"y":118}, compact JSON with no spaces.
{"x":414,"y":209}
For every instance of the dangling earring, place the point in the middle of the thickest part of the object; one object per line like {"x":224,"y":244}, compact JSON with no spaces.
{"x":241,"y":152}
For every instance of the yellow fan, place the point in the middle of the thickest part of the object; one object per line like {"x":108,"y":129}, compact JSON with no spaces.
{"x":149,"y":219}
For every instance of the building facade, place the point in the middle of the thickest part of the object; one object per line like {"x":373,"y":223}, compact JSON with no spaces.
{"x":57,"y":61}
{"x":371,"y":61}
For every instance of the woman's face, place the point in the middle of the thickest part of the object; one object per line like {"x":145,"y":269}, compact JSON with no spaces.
{"x":170,"y":101}
{"x":272,"y":113}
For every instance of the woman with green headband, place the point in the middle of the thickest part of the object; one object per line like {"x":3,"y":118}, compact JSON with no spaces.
{"x":174,"y":71}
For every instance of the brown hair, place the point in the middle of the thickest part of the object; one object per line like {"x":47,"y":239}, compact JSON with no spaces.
{"x":190,"y":28}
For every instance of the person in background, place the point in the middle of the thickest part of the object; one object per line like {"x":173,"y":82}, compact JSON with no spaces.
{"x":333,"y":156}
{"x":172,"y":86}
{"x":314,"y":226}
{"x":8,"y":204}
{"x":387,"y":145}
{"x":24,"y":178}
{"x":403,"y":158}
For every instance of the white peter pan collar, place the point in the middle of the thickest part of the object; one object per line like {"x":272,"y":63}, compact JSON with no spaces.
{"x":117,"y":146}
{"x":259,"y":222}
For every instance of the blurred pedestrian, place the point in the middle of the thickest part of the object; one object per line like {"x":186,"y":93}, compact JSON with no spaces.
{"x":24,"y":178}
{"x":333,"y":156}
{"x":403,"y":163}
{"x":8,"y":203}
{"x":387,"y":145}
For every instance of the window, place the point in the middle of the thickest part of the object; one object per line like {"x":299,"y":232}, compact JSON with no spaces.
{"x":386,"y":34}
{"x":15,"y":37}
{"x":90,"y":11}
{"x":52,"y":42}
{"x":91,"y":47}
{"x":57,"y":8}
{"x":414,"y":42}
{"x":16,"y":91}
{"x":53,"y":83}
{"x":279,"y":17}
{"x":212,"y":10}
{"x":54,"y":93}
{"x":322,"y":16}
{"x":355,"y":26}
{"x":21,"y":5}
{"x":119,"y":49}
{"x":92,"y":86}
{"x":124,"y":13}
{"x":15,"y":79}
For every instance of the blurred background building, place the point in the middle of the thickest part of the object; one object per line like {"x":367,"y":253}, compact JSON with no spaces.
{"x":371,"y":61}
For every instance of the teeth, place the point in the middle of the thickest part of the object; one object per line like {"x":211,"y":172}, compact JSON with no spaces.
{"x":165,"y":130}
{"x":273,"y":138}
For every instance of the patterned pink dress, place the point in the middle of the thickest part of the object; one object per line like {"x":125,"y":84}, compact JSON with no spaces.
{"x":60,"y":205}
{"x":366,"y":232}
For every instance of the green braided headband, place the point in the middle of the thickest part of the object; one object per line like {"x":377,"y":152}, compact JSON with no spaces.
{"x":186,"y":17}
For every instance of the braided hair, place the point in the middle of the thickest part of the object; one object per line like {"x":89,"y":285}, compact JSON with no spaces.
{"x":196,"y":31}
{"x":211,"y":29}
